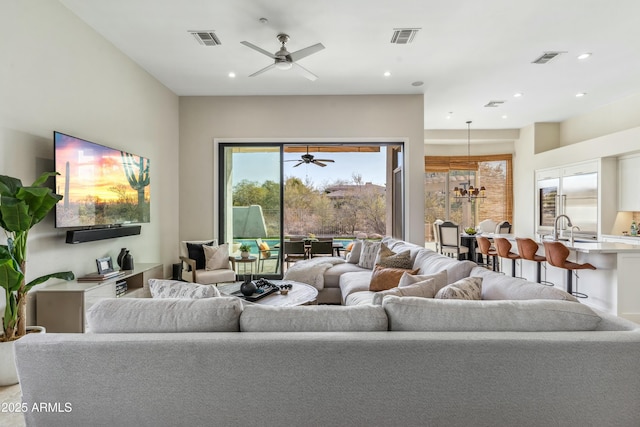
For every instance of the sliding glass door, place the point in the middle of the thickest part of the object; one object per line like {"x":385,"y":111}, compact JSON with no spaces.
{"x":251,"y":205}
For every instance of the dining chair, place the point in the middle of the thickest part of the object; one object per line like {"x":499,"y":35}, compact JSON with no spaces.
{"x":503,"y":227}
{"x":450,"y":240}
{"x":436,"y":234}
{"x":487,"y":226}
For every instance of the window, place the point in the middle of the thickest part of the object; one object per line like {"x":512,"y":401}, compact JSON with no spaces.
{"x":443,"y":173}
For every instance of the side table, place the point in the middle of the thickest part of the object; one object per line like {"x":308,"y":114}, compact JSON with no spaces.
{"x":251,"y":260}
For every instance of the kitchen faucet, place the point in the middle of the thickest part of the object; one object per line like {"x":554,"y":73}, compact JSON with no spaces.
{"x":555,"y":225}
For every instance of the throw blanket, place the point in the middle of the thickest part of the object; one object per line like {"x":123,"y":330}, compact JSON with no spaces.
{"x":311,"y":271}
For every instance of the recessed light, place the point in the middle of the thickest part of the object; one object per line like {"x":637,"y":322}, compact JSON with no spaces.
{"x":580,"y":95}
{"x":387,"y":73}
{"x":418,"y":83}
{"x":505,"y":116}
{"x":449,"y":115}
{"x":232,"y":74}
{"x":517,"y":94}
{"x":584,"y":55}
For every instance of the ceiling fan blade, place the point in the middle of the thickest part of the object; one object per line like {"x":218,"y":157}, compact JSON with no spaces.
{"x":259,"y":49}
{"x":316,"y":162}
{"x":325,"y":160}
{"x":295,"y":166}
{"x":308,"y":74}
{"x":303,"y":53}
{"x":267,"y":68}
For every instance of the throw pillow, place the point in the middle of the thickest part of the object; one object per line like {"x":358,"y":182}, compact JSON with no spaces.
{"x":424,"y":289}
{"x":196,"y":253}
{"x":469,"y":288}
{"x":264,"y":250}
{"x":441,"y":279}
{"x":395,"y":260}
{"x":161,"y":288}
{"x":356,"y":249}
{"x":368,"y":255}
{"x":216,"y":257}
{"x":384,"y":278}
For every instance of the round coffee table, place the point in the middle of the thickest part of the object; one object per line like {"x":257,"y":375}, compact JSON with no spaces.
{"x":299,"y":294}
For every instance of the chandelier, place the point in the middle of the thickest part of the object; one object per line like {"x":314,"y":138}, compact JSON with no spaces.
{"x":472,"y":192}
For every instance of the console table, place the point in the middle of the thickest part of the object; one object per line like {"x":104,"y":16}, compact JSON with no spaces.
{"x":62,"y":307}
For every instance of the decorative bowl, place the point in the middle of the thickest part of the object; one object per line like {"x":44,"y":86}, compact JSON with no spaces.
{"x":470,"y":231}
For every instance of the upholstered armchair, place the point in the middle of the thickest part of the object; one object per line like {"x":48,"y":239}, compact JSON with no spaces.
{"x":206,"y":265}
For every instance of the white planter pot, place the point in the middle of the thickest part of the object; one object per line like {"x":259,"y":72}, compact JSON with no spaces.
{"x":244,"y":254}
{"x":8,"y":374}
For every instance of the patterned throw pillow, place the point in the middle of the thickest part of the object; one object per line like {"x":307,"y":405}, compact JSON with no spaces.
{"x":196,"y":252}
{"x":440,"y":279}
{"x":469,"y":288}
{"x":368,"y":254}
{"x":161,"y":288}
{"x":216,"y":257}
{"x":395,"y":260}
{"x":264,"y":250}
{"x":384,"y":278}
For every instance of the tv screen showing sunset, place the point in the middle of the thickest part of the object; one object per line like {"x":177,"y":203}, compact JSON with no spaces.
{"x":99,"y":185}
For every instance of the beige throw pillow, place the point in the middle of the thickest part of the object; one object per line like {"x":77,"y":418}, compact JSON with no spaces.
{"x":469,"y":288}
{"x":424,"y":289}
{"x":441,"y":279}
{"x":216,"y":257}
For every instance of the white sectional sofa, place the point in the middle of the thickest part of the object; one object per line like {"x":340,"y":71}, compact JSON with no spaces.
{"x":525,"y":355}
{"x":408,"y":362}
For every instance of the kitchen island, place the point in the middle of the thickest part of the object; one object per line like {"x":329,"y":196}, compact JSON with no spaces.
{"x":614,"y":287}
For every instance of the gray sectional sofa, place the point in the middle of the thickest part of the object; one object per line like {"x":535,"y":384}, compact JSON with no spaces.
{"x":524,"y":355}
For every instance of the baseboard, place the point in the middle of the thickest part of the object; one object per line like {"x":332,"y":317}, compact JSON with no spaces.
{"x":92,"y":234}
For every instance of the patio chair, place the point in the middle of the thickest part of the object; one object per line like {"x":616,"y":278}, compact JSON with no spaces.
{"x":450,"y":240}
{"x":266,"y":253}
{"x":294,"y":251}
{"x":321,"y":248}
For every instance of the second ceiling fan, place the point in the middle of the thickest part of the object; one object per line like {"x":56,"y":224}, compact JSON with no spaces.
{"x":310,"y":158}
{"x":284,"y":60}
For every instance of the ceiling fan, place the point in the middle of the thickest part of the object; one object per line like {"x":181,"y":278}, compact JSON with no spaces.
{"x":309,"y":158}
{"x":284,"y":60}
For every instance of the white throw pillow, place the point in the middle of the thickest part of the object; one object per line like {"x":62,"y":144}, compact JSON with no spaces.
{"x":354,"y":256}
{"x":161,"y":288}
{"x":216,"y":257}
{"x":424,"y":289}
{"x":369,"y":254}
{"x":469,"y":288}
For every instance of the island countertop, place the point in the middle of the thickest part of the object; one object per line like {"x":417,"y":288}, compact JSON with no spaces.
{"x":586,"y":247}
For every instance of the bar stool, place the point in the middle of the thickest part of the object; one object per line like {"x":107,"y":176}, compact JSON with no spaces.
{"x":484,"y":245}
{"x":557,"y":255}
{"x":527,"y":249}
{"x":503,"y":247}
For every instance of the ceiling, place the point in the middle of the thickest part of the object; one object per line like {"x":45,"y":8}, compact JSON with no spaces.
{"x":466,"y":52}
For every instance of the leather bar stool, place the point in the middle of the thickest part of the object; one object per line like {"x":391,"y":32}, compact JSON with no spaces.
{"x":503,"y":247}
{"x":485,"y":248}
{"x":527,"y":249}
{"x":557,"y":255}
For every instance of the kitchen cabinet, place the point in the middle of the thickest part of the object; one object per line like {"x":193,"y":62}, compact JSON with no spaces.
{"x":628,"y":194}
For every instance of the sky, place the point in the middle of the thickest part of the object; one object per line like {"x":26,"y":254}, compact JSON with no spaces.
{"x":370,"y":165}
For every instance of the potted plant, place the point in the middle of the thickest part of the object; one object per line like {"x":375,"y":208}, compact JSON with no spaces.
{"x":244,"y":250}
{"x":20,"y":209}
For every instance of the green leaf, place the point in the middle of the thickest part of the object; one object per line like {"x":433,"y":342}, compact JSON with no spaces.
{"x":65,"y":275}
{"x":9,"y":185}
{"x":40,"y":201}
{"x":43,"y":178}
{"x":14,"y":214}
{"x":10,"y":277}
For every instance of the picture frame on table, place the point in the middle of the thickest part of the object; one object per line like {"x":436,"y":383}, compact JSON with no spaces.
{"x":105,"y":265}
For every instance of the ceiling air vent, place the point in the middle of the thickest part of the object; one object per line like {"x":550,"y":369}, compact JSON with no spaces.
{"x":494,"y":103}
{"x":403,"y":35}
{"x":206,"y":38}
{"x":546,"y":57}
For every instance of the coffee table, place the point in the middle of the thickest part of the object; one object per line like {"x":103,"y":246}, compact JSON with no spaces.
{"x":299,"y":294}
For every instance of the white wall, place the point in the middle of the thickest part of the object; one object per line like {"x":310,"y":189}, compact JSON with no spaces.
{"x":366,"y":117}
{"x":58,"y":74}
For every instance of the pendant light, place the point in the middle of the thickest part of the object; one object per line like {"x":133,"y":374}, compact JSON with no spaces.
{"x":472,"y":193}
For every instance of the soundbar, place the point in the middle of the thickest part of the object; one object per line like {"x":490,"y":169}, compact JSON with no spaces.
{"x":91,"y":234}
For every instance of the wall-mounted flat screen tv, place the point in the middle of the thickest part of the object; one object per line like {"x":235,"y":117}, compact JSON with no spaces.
{"x":101,"y":186}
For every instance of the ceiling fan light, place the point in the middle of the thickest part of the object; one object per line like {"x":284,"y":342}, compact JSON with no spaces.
{"x":284,"y":65}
